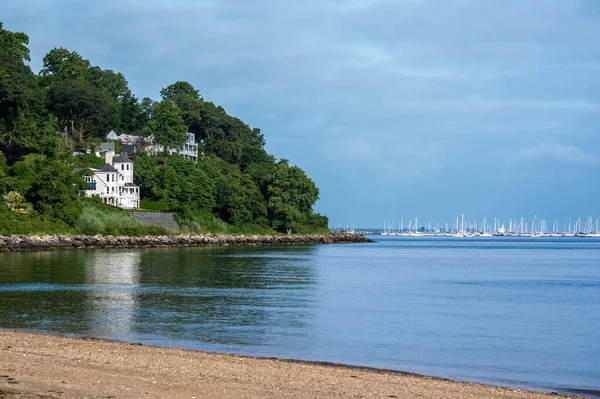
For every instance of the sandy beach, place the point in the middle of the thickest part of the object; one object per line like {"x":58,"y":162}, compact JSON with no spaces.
{"x":43,"y":366}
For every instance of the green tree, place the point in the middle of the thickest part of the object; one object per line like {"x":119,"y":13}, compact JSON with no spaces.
{"x":145,"y":172}
{"x":114,"y":83}
{"x":80,"y":104}
{"x":238,"y":200}
{"x":167,"y":126}
{"x":62,"y":64}
{"x":185,"y":187}
{"x":187,"y":99}
{"x":177,"y":89}
{"x":291,"y":197}
{"x":55,"y":193}
{"x":14,"y":43}
{"x":26,"y":172}
{"x":133,"y":117}
{"x":17,"y":82}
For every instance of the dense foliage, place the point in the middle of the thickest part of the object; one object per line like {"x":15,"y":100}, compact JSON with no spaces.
{"x":70,"y":106}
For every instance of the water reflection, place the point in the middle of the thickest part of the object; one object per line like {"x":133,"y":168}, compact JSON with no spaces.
{"x":112,"y":298}
{"x":233,"y":299}
{"x":226,"y":298}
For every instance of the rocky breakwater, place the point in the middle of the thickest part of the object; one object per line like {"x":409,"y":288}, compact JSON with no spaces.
{"x":50,"y":243}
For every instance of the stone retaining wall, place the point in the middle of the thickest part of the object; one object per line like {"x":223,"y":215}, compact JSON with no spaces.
{"x":50,"y":243}
{"x":157,"y":219}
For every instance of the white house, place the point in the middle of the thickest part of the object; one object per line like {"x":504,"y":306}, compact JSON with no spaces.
{"x":190,"y":148}
{"x":114,"y":183}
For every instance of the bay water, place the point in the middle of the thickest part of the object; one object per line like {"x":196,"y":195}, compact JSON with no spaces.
{"x":521,"y":312}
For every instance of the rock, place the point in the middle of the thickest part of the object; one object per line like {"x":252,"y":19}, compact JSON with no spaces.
{"x":33,"y":243}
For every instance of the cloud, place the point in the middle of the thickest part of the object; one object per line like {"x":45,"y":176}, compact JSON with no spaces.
{"x":391,"y":162}
{"x":557,"y":152}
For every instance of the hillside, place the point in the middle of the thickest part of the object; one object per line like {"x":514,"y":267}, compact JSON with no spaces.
{"x":53,"y":122}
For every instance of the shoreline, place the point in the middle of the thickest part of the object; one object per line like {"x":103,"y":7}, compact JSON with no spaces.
{"x":36,"y":365}
{"x":28,"y":243}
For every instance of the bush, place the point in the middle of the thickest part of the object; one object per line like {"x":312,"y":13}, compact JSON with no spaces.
{"x":154,"y":205}
{"x":89,"y":223}
{"x":108,"y":221}
{"x":32,"y":223}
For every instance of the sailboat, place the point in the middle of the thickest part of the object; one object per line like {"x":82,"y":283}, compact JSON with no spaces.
{"x":485,"y":233}
{"x":416,"y":232}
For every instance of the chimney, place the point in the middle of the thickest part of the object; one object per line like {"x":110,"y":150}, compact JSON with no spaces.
{"x":109,"y":157}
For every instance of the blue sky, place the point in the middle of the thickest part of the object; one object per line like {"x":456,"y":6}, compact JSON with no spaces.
{"x":404,"y":108}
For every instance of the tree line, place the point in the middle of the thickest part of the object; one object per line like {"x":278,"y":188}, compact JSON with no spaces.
{"x":70,"y":105}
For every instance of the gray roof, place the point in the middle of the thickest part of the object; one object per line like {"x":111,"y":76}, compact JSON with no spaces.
{"x":130,"y":185}
{"x":122,"y":158}
{"x":107,"y":146}
{"x":128,"y":148}
{"x":108,"y":168}
{"x":112,"y":135}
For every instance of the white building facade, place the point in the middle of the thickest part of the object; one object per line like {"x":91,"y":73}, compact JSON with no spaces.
{"x":114,"y":183}
{"x":190,"y":148}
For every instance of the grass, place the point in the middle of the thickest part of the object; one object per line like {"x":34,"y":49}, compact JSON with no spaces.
{"x":105,"y":220}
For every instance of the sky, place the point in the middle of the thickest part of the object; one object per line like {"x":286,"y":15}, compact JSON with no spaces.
{"x":396,"y":109}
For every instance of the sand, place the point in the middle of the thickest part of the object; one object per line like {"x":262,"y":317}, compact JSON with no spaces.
{"x":43,"y":366}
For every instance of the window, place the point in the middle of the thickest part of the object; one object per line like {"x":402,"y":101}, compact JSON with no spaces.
{"x":122,"y":167}
{"x":127,"y":166}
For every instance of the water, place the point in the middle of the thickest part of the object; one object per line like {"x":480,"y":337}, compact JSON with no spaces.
{"x":514,"y":311}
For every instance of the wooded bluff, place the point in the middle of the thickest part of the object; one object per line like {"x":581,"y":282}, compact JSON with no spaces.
{"x":52,"y":122}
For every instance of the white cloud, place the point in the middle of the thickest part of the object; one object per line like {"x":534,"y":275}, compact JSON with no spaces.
{"x":552,"y":151}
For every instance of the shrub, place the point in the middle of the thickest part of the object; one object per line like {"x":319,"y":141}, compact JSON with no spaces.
{"x":105,"y":220}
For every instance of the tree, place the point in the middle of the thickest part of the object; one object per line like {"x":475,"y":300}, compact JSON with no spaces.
{"x":147,"y":106}
{"x":17,"y":82}
{"x":291,"y":197}
{"x":185,"y":187}
{"x":167,"y":126}
{"x":238,"y":200}
{"x":87,"y":106}
{"x":145,"y":174}
{"x":55,"y":193}
{"x":62,"y":64}
{"x":113,"y":83}
{"x":187,"y":99}
{"x":14,"y":43}
{"x":178,"y":89}
{"x":133,"y":117}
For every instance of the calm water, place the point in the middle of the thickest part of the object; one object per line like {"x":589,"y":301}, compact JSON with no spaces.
{"x":518,"y":312}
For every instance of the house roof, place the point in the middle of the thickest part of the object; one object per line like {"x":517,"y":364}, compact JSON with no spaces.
{"x":112,"y":135}
{"x":131,"y":139}
{"x":107,"y":146}
{"x":128,"y":148}
{"x":122,"y":158}
{"x":77,"y":170}
{"x":130,"y":185}
{"x":108,"y":168}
